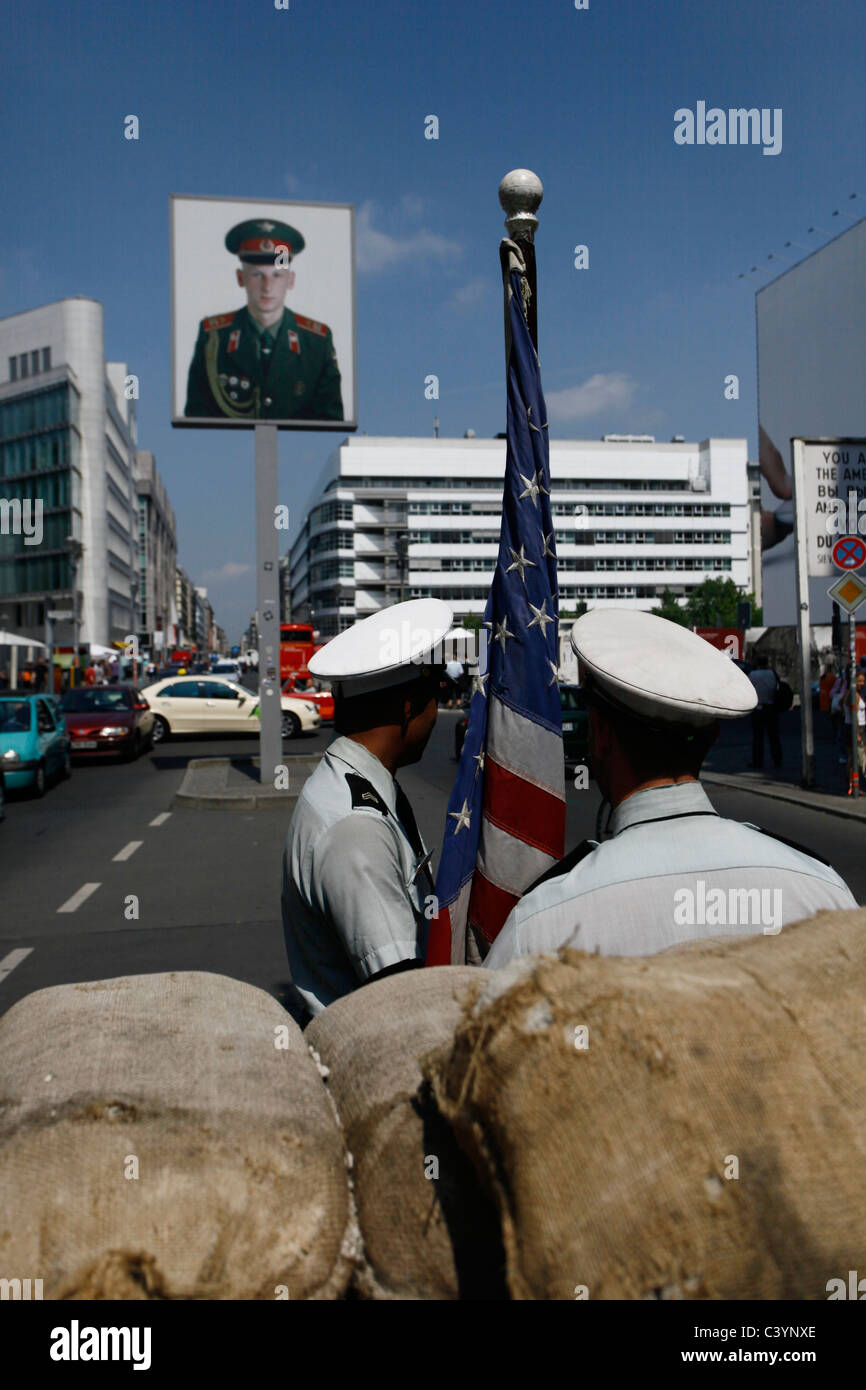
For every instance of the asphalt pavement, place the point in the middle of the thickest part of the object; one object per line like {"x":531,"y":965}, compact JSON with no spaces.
{"x":103,"y":878}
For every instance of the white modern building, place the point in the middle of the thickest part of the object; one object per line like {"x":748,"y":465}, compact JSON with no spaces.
{"x":414,"y":518}
{"x":67,"y":442}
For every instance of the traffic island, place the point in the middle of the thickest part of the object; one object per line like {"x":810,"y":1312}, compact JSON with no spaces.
{"x":232,"y":784}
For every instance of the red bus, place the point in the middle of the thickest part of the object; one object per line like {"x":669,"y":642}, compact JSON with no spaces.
{"x":296,"y":648}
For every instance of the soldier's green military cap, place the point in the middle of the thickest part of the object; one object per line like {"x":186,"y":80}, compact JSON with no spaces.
{"x":259,"y":241}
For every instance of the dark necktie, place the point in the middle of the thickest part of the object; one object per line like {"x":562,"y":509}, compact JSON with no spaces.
{"x":266,"y":346}
{"x":406,"y":816}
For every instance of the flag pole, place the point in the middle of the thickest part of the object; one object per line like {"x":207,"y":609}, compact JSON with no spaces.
{"x":520,"y":194}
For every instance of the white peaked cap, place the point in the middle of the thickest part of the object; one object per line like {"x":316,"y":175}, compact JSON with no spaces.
{"x":659,"y":671}
{"x":396,"y":644}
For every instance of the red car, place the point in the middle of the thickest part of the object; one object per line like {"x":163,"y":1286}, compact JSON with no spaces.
{"x":104,"y":719}
{"x":322,"y":699}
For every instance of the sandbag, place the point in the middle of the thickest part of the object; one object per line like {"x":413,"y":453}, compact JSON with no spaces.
{"x":705,"y":1138}
{"x":428,"y":1230}
{"x":156,"y":1143}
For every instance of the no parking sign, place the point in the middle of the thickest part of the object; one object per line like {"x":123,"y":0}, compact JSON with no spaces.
{"x":849,"y":553}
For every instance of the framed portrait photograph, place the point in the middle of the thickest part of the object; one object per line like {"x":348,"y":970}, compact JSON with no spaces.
{"x":263,"y":320}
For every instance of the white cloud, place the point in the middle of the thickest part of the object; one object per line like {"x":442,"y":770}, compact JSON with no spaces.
{"x":412,"y":205}
{"x":472,"y":292}
{"x":603,"y":391}
{"x":230,"y":570}
{"x":378,"y":250}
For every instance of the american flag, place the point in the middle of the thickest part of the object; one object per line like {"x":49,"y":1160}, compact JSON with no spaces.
{"x":505,"y":823}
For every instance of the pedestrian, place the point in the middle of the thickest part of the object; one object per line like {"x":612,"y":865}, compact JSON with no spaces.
{"x":41,"y":673}
{"x":838,"y":694}
{"x":454,"y":672}
{"x":825,"y":689}
{"x":4,"y":679}
{"x":356,"y":879}
{"x":90,"y":674}
{"x":675,"y":870}
{"x":765,"y":715}
{"x":855,"y":774}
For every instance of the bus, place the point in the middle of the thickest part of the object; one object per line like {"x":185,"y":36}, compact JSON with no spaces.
{"x":296,"y":648}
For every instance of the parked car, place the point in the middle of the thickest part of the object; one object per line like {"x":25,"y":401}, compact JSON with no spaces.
{"x":215,"y":705}
{"x":108,"y":719}
{"x":226,"y":667}
{"x":575,"y":724}
{"x":322,"y":699}
{"x":34,"y":742}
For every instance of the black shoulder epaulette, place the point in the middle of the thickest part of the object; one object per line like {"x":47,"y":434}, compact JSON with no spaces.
{"x":364,"y":794}
{"x":783,"y":839}
{"x":564,"y":866}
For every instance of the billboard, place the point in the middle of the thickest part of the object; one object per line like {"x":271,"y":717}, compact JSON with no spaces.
{"x":263,"y":313}
{"x":811,"y":325}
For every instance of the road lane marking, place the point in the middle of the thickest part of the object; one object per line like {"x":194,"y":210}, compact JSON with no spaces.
{"x":73,"y":904}
{"x":8,"y":963}
{"x":161,"y":818}
{"x":127,"y":852}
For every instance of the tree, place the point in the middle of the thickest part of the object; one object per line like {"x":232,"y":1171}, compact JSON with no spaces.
{"x":672,"y":609}
{"x":714,"y":604}
{"x":711,"y":604}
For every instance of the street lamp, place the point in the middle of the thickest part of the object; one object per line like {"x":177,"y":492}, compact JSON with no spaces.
{"x":74,"y":550}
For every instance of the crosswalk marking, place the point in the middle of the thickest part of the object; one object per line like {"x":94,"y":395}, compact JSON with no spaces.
{"x":73,"y":904}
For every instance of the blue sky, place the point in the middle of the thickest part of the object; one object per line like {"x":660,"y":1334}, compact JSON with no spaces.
{"x":326,"y":102}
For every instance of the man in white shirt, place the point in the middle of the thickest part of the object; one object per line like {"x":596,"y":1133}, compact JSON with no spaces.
{"x":357,"y":889}
{"x":675,"y":870}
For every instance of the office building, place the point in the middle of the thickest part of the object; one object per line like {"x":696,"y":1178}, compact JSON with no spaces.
{"x":411,"y":518}
{"x":67,"y":446}
{"x":157,"y":559}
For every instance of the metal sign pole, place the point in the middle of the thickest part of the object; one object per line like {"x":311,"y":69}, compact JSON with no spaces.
{"x":804,"y":628}
{"x":267,"y":581}
{"x":854,"y":701}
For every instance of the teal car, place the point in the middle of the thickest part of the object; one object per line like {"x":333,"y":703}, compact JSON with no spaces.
{"x":34,"y":742}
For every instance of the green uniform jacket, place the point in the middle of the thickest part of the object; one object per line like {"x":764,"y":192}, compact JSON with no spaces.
{"x":231,"y":376}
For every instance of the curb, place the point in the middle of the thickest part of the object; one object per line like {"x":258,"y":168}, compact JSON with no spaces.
{"x":807,"y":800}
{"x":204,"y":787}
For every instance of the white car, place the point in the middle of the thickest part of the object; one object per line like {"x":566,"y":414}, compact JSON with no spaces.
{"x":214,"y":705}
{"x":228,"y":667}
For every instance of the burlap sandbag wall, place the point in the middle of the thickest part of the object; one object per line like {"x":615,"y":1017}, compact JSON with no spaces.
{"x":706,"y":1137}
{"x":428,"y":1230}
{"x":155,"y":1142}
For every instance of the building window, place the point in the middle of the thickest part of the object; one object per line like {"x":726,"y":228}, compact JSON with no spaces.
{"x":46,"y":359}
{"x":13,"y":368}
{"x":34,"y":362}
{"x":25,"y":364}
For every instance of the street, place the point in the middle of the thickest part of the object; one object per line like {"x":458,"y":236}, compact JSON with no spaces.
{"x":101,"y":878}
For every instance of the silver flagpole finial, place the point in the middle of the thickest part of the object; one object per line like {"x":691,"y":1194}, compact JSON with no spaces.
{"x":520,"y":194}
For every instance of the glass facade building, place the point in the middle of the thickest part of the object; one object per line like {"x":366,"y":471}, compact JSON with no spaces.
{"x":40,"y":451}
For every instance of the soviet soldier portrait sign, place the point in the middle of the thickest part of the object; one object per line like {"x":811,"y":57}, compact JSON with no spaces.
{"x":257,"y":338}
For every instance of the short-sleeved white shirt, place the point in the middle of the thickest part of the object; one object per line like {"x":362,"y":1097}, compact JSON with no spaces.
{"x":354,"y":888}
{"x":656,"y":884}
